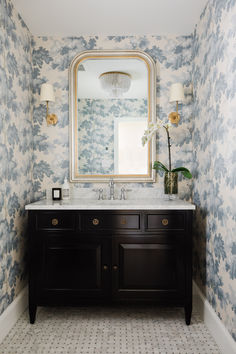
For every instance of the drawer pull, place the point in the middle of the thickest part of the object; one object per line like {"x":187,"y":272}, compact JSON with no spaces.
{"x":115,"y":267}
{"x":54,"y":222}
{"x":165,"y":222}
{"x":123,"y":221}
{"x":95,"y":222}
{"x":105,"y":267}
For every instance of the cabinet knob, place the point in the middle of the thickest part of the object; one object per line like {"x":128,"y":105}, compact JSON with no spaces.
{"x":123,"y":221}
{"x":105,"y":267}
{"x":165,"y":222}
{"x":115,"y":267}
{"x":54,"y":222}
{"x":95,"y":222}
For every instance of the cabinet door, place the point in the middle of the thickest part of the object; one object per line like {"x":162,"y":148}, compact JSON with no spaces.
{"x":148,"y":268}
{"x":75,"y":268}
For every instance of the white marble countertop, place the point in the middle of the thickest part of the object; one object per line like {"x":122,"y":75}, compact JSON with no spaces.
{"x":90,"y":204}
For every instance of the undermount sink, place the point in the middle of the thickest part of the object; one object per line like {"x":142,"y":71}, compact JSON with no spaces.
{"x":115,"y":201}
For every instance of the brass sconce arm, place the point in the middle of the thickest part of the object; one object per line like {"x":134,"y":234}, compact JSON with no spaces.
{"x":46,"y":95}
{"x":174,"y":117}
{"x":51,"y":118}
{"x":176,"y":95}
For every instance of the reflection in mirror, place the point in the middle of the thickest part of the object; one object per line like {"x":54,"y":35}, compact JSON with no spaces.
{"x":129,"y":155}
{"x":111,"y":102}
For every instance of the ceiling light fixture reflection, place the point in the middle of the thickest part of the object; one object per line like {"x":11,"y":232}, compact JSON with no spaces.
{"x":116,"y":83}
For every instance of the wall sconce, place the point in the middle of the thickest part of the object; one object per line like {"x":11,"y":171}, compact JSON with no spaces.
{"x":176,"y":95}
{"x":47,"y":95}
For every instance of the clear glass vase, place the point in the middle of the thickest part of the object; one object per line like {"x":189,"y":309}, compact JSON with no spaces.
{"x":171,"y":184}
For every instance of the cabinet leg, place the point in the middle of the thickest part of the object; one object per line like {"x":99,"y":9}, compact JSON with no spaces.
{"x":188,"y":313}
{"x":32,"y":313}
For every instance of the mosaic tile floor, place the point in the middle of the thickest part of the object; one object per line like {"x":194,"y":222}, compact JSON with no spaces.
{"x":109,"y":330}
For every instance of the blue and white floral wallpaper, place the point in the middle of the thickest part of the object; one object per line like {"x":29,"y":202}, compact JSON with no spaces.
{"x":96,"y":130}
{"x":214,"y":156}
{"x":51,"y":60}
{"x":16,"y":149}
{"x":34,"y":157}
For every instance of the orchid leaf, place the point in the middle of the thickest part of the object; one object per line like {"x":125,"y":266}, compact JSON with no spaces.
{"x":158,"y":166}
{"x":185,"y":172}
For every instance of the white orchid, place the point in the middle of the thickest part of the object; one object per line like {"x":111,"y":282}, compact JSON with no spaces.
{"x":148,"y":134}
{"x":152,"y":129}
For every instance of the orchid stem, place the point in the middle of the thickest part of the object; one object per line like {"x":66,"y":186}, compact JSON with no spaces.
{"x":169,"y":145}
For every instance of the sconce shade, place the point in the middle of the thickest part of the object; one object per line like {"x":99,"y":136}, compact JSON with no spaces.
{"x":176,"y":92}
{"x":115,"y":83}
{"x":47,"y":93}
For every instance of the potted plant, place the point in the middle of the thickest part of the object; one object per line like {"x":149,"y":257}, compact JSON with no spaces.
{"x":170,"y":174}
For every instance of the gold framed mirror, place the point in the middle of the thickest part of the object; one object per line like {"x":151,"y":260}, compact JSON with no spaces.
{"x":112,"y":96}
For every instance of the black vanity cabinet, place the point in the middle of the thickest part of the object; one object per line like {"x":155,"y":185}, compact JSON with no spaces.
{"x":73,"y":266}
{"x":88,"y":256}
{"x":148,"y":268}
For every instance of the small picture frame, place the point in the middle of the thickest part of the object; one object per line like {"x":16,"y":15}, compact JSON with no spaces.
{"x":56,"y":193}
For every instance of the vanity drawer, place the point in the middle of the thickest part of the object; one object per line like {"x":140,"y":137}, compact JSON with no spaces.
{"x":55,"y":220}
{"x":110,"y":221}
{"x":167,"y":221}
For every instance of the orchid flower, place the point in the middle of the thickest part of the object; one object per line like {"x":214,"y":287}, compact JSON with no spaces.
{"x":158,"y":166}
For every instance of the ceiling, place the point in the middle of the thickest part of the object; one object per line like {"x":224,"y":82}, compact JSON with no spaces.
{"x":88,"y":78}
{"x":110,"y":17}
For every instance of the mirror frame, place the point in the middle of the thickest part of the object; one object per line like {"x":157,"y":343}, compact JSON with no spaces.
{"x":151,"y":69}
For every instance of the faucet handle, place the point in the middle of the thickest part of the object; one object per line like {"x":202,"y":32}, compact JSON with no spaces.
{"x":100,"y":193}
{"x":122,"y":193}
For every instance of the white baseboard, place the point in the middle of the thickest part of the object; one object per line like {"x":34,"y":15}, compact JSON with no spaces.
{"x":218,"y":331}
{"x":9,"y":317}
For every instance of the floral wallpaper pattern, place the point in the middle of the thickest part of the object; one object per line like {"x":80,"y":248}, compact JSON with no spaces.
{"x":51,"y":60}
{"x":34,"y":157}
{"x":214,"y":156}
{"x":16,"y":149}
{"x":96,"y":131}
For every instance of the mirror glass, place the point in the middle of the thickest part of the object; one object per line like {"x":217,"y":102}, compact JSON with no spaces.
{"x":111,"y":103}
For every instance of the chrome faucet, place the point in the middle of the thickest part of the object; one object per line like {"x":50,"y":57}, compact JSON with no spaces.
{"x":112,"y":189}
